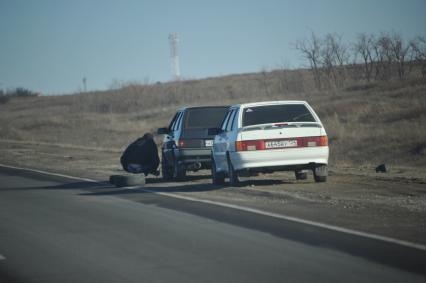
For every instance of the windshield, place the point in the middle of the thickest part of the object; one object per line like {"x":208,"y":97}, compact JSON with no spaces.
{"x":205,"y":117}
{"x":276,"y":114}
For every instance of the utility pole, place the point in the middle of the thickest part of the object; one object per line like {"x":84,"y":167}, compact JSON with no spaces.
{"x":174,"y":40}
{"x":84,"y":84}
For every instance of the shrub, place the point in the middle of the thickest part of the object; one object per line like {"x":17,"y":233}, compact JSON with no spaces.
{"x":21,"y":92}
{"x":4,"y":98}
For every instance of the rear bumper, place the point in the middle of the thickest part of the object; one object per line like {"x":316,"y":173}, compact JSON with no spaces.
{"x":193,"y":155}
{"x":280,"y":159}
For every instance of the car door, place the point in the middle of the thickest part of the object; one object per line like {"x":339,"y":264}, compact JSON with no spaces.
{"x":231,"y":132}
{"x":219,"y":145}
{"x":169,"y":139}
{"x":222,"y":141}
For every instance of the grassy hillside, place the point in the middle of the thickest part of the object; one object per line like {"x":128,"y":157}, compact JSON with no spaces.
{"x":368,"y":123}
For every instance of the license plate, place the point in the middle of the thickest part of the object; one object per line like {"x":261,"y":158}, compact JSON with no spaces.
{"x":280,"y":144}
{"x":209,"y":143}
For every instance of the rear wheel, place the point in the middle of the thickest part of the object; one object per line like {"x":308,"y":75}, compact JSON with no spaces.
{"x":218,"y":178}
{"x":320,"y":173}
{"x":165,"y":169}
{"x":232,"y":174}
{"x":301,"y":175}
{"x":179,"y":171}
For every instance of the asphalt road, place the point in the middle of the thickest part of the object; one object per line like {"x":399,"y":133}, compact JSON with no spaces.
{"x":55,"y":229}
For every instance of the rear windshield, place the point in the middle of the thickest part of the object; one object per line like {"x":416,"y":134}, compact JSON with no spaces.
{"x":276,"y":114}
{"x":205,"y":117}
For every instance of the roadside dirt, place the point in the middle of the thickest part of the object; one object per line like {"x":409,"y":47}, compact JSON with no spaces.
{"x":391,"y":204}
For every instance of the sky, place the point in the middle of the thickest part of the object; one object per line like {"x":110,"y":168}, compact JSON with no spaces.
{"x":49,"y":46}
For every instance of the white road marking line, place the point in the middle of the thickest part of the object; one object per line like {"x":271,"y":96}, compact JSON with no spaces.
{"x":50,"y":173}
{"x":2,"y":257}
{"x":298,"y":220}
{"x":252,"y":210}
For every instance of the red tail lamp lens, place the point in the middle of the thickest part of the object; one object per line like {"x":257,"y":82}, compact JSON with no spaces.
{"x":181,"y":143}
{"x":250,"y":145}
{"x":323,"y":141}
{"x":314,"y":141}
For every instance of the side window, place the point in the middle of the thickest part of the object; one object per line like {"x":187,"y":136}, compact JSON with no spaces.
{"x":173,"y":121}
{"x":231,"y":120}
{"x":235,"y":120}
{"x":225,"y":121}
{"x":178,"y":121}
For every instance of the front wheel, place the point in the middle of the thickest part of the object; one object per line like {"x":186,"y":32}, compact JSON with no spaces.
{"x":320,"y":173}
{"x":218,"y":178}
{"x":232,"y":174}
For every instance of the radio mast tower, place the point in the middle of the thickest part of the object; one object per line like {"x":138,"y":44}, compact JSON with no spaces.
{"x":174,"y":40}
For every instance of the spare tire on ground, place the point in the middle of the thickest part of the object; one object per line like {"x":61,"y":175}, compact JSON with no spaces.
{"x":127,"y":180}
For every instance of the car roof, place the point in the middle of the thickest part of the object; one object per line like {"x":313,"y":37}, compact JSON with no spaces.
{"x":201,"y":107}
{"x":265,"y":103}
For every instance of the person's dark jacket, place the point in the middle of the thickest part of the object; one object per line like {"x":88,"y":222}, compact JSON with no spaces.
{"x":144,"y":152}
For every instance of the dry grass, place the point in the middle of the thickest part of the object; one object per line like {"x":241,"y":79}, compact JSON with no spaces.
{"x":367,"y":123}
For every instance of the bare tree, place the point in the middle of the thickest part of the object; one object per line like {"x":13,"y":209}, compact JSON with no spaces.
{"x":384,"y":56}
{"x":399,"y":50}
{"x":365,"y":47}
{"x":283,"y":76}
{"x":328,"y":63}
{"x":265,"y":80}
{"x":335,"y":57}
{"x":418,"y":47}
{"x":311,"y":50}
{"x":340,"y":50}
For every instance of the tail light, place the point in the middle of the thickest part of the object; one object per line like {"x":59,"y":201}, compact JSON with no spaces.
{"x":191,"y":143}
{"x":301,"y":142}
{"x":180,"y":143}
{"x":249,"y":145}
{"x":314,"y":141}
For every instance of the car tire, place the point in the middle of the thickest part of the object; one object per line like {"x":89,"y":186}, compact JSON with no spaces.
{"x":232,"y":174}
{"x":129,"y":180}
{"x":165,"y":169}
{"x":218,"y":178}
{"x":300,"y":175}
{"x":179,"y":172}
{"x":320,"y":173}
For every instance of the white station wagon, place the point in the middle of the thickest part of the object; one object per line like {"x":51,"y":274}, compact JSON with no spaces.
{"x":270,"y":136}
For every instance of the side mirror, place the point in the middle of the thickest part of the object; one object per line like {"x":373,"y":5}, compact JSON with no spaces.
{"x":214,"y":131}
{"x":163,"y":131}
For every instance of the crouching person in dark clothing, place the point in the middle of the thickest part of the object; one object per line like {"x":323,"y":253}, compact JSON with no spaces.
{"x":141,"y":156}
